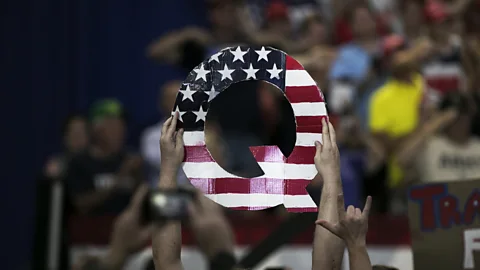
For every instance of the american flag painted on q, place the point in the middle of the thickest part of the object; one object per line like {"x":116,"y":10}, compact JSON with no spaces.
{"x":284,"y":179}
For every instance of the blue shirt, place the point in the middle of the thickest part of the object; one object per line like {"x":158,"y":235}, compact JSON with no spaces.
{"x":353,"y":63}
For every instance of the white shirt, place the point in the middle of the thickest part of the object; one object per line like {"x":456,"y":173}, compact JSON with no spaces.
{"x":441,"y":160}
{"x":150,"y":150}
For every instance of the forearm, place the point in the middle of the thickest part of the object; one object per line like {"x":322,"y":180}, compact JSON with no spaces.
{"x":327,"y":248}
{"x":114,"y":259}
{"x":167,"y":237}
{"x":411,"y":146}
{"x":358,"y":257}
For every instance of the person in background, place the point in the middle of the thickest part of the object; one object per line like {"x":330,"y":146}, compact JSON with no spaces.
{"x":188,"y":47}
{"x":445,"y":69}
{"x":101,"y":179}
{"x":129,"y":235}
{"x":397,"y":107}
{"x":149,"y":139}
{"x":413,"y":19}
{"x":354,"y":59}
{"x":75,"y":139}
{"x":450,"y":155}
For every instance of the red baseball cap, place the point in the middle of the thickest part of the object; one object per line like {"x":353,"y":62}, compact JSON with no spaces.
{"x":277,"y":10}
{"x":435,"y":11}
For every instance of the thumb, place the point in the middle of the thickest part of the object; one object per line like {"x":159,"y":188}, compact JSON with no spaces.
{"x":327,"y":225}
{"x":318,"y":146}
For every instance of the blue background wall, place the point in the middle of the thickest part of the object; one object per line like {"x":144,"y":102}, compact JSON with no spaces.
{"x":56,"y":57}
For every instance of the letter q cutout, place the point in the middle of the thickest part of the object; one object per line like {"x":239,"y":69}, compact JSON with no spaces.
{"x":285,"y":178}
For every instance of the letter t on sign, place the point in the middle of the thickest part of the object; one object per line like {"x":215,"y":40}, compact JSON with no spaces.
{"x":471,"y":239}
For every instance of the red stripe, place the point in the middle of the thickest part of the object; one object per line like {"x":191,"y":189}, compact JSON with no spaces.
{"x":302,"y":155}
{"x":296,"y":94}
{"x":251,"y":186}
{"x":303,"y":121}
{"x":293,"y":64}
{"x":443,"y":84}
{"x":299,"y":155}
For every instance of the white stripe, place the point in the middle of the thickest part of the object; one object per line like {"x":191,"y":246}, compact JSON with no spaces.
{"x":298,"y":78}
{"x":197,"y":138}
{"x":309,"y":109}
{"x":271,"y":170}
{"x":265,"y":200}
{"x":442,"y":70}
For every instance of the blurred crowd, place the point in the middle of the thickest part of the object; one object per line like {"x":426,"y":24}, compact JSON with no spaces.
{"x":400,"y":79}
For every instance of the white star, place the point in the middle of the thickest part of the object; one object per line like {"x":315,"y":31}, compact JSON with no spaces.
{"x":212,"y":94}
{"x":263,"y":54}
{"x":274,"y":72}
{"x":215,"y":57}
{"x":200,"y":115}
{"x":180,"y":114}
{"x":226,"y":73}
{"x":187,"y":93}
{"x":250,"y":72}
{"x":201,"y":73}
{"x":238,"y":54}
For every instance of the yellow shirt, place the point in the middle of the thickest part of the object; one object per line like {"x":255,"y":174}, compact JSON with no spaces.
{"x":395,"y":111}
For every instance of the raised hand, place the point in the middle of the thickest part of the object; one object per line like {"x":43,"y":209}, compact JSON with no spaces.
{"x":352,"y":226}
{"x":171,"y":145}
{"x":327,"y":157}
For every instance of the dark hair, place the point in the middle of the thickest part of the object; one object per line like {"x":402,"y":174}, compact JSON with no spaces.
{"x":66,"y":123}
{"x":350,"y":11}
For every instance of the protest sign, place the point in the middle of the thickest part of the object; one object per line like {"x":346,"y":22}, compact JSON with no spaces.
{"x":445,"y":225}
{"x":285,"y":178}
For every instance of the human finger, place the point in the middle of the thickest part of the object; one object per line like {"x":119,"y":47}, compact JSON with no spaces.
{"x":333,"y":136}
{"x":166,"y":125}
{"x":318,"y":146}
{"x":327,"y":225}
{"x":325,"y":134}
{"x":368,"y":205}
{"x":350,"y":210}
{"x":358,"y":212}
{"x":179,"y":138}
{"x":173,"y":125}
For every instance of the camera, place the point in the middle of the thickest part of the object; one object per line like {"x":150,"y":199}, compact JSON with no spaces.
{"x":167,"y":204}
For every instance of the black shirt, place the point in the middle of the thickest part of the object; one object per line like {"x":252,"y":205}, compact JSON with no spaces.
{"x":87,"y":173}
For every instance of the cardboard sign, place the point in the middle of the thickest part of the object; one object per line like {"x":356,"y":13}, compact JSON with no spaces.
{"x":285,"y":178}
{"x":445,"y":225}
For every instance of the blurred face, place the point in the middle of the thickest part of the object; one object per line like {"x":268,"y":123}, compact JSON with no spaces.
{"x":222,"y":15}
{"x":111,"y":132}
{"x":363,"y":24}
{"x":413,"y":16}
{"x":76,"y":137}
{"x":318,"y":33}
{"x":280,"y":27}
